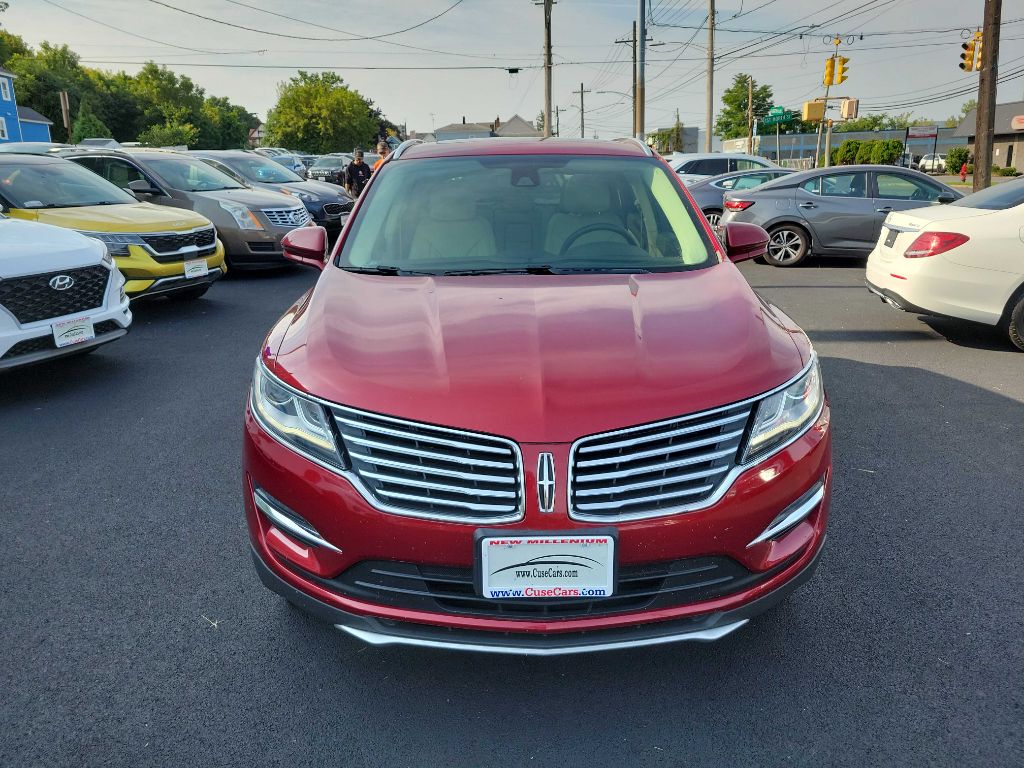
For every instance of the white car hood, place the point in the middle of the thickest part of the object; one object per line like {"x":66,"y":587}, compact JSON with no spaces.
{"x":28,"y":248}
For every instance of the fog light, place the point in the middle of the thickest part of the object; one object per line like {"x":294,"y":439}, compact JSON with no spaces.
{"x":288,"y":521}
{"x":793,"y":514}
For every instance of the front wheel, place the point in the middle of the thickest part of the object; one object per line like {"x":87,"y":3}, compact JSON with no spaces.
{"x":788,"y":245}
{"x":1015,"y":324}
{"x":714,"y":216}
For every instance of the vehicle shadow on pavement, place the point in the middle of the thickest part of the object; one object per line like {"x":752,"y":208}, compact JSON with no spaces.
{"x":964,"y":333}
{"x":885,"y":656}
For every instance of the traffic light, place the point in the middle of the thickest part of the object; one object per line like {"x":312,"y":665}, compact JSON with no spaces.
{"x":830,"y":71}
{"x":967,"y":57}
{"x":840,"y":74}
{"x":813,"y":111}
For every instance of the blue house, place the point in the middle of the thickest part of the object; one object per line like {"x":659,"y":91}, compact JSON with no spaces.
{"x":19,"y":123}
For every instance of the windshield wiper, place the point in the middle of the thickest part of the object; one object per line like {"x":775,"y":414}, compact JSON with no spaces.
{"x":383,"y":269}
{"x":602,"y":270}
{"x":540,"y":269}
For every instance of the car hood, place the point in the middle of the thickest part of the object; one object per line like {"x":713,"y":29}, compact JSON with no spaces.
{"x":539,"y":358}
{"x":254,"y":198}
{"x":27,"y":247}
{"x":130,"y":217}
{"x":327,"y":193}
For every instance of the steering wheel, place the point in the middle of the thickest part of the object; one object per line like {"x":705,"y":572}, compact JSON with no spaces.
{"x":607,"y":226}
{"x":919,"y":194}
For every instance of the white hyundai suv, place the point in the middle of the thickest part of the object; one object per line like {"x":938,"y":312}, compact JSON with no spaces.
{"x":60,"y":293}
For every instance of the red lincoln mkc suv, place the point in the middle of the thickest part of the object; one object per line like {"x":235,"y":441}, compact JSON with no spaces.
{"x":531,"y":406}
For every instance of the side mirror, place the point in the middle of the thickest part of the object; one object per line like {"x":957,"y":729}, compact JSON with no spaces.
{"x":142,"y":187}
{"x":743,"y":240}
{"x":306,"y":246}
{"x":945,"y":198}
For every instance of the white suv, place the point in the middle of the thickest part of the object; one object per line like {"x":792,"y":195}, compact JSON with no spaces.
{"x":933,"y":164}
{"x":60,"y":293}
{"x":695,"y":166}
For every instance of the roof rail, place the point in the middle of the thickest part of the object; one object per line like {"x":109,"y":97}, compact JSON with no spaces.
{"x":404,"y":146}
{"x":633,"y":140}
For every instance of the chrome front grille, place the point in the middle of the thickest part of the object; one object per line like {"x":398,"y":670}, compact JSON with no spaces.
{"x":421,"y":470}
{"x":287,"y":217}
{"x":655,"y":469}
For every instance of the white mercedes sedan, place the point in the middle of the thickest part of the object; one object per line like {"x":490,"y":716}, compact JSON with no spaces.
{"x":962,"y":260}
{"x":60,"y":294}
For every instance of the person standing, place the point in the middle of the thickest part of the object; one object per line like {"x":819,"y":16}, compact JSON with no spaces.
{"x":383,"y":149}
{"x":356,"y":175}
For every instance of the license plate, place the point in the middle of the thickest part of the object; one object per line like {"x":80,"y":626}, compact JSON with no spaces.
{"x":891,"y":238}
{"x":196,"y":268}
{"x":546,"y":565}
{"x":69,"y":332}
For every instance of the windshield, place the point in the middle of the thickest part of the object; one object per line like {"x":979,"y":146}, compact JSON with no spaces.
{"x":545,"y":213}
{"x":189,"y":174}
{"x":60,"y":184}
{"x":258,"y":168}
{"x":998,"y":197}
{"x":329,"y":162}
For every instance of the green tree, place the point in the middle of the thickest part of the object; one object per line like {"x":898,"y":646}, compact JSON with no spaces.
{"x":954,"y":120}
{"x":866,"y":123}
{"x":886,"y":151}
{"x":225,"y":125}
{"x":88,"y":126}
{"x":43,"y":74}
{"x":732,"y":119}
{"x":956,"y":157}
{"x":11,"y":44}
{"x":317,"y":112}
{"x":847,"y":154}
{"x":539,"y":122}
{"x":169,"y":134}
{"x":864,"y":152}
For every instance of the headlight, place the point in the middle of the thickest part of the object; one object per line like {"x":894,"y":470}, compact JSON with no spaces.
{"x":295,"y":420}
{"x":244,"y":218}
{"x":117,"y":244}
{"x":785,"y":414}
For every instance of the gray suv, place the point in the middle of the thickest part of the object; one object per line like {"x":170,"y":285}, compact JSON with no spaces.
{"x":249,"y":222}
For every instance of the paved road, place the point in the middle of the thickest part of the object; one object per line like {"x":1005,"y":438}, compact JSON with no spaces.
{"x":135,"y":632}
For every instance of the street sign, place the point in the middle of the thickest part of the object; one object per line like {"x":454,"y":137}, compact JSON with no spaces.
{"x":776,"y":111}
{"x":1017,"y":123}
{"x":922,"y":131}
{"x":776,"y":118}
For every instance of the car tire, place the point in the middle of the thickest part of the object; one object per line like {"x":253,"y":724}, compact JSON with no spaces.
{"x":713,"y":215}
{"x":1015,"y":321}
{"x":788,"y":245}
{"x":189,"y":294}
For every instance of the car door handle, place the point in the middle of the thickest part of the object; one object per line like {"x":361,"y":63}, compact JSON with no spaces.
{"x":887,"y":209}
{"x":808,"y":205}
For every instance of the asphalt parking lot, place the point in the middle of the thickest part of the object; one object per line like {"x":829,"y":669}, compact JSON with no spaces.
{"x":136,"y":633}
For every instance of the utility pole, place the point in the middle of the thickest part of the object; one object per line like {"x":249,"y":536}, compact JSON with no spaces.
{"x":828,"y":84}
{"x":558,"y":128}
{"x":985,"y":125}
{"x":677,"y":143}
{"x":583,"y":134}
{"x":632,"y":42}
{"x":750,"y":115}
{"x":547,"y":67}
{"x":710,"y":105}
{"x":641,"y":42}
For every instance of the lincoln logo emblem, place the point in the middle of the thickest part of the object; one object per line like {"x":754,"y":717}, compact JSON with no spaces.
{"x":546,"y":482}
{"x":61,"y":282}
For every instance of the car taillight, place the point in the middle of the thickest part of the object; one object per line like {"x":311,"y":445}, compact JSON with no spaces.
{"x":934,"y":243}
{"x":738,"y":205}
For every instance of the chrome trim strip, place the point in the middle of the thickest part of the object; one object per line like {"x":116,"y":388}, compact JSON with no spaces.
{"x":901,"y":228}
{"x":422,"y":438}
{"x":665,"y":435}
{"x":664,"y":465}
{"x":642,"y":499}
{"x":634,"y":140}
{"x":443,"y":502}
{"x":146,"y":246}
{"x":720,"y":438}
{"x":793,"y":516}
{"x":439,"y":486}
{"x":400,"y":150}
{"x":431,"y":470}
{"x":281,"y":520}
{"x":726,"y":482}
{"x":363,"y":491}
{"x":162,"y":283}
{"x":653,"y":483}
{"x":376,"y":638}
{"x":429,"y":454}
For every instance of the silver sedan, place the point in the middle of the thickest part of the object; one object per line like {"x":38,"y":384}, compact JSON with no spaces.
{"x":831,"y":211}
{"x":709,"y":193}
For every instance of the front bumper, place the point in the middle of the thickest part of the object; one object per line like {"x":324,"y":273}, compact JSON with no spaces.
{"x":144,"y":276}
{"x":357,"y":532}
{"x":255,"y":248}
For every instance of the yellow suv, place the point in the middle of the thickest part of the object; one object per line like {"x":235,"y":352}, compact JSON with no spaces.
{"x":159,"y":250}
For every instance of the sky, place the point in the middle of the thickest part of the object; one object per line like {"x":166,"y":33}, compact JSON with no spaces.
{"x":455,"y":66}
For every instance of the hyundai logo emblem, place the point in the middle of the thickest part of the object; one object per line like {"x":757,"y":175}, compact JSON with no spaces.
{"x":61,"y":282}
{"x":546,"y":482}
